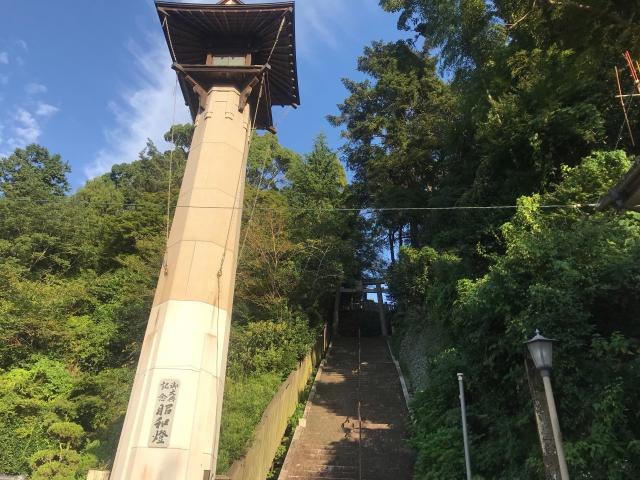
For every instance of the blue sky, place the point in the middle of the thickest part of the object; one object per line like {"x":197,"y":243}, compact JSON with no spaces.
{"x":91,"y":79}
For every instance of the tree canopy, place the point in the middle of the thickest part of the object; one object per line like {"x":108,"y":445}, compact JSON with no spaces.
{"x":77,"y":273}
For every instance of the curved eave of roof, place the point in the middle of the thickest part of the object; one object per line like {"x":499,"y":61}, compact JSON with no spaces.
{"x":221,"y":6}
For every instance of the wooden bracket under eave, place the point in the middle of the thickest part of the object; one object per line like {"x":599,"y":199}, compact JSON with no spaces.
{"x":197,"y":88}
{"x":246,"y":93}
{"x":248,"y":89}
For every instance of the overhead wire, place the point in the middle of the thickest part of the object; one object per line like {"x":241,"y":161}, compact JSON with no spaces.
{"x":406,"y":209}
{"x":624,"y":110}
{"x":68,"y":200}
{"x":283,"y":116}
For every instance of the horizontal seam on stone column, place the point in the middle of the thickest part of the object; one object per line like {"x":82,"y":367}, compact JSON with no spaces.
{"x":184,"y":369}
{"x":191,"y":240}
{"x":186,"y":192}
{"x":183,"y":301}
{"x":229,"y":250}
{"x":197,"y":299}
{"x":195,"y":148}
{"x":223,"y":143}
{"x":164,"y":449}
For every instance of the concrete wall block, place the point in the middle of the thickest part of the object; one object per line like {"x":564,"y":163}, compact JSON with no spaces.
{"x":96,"y":475}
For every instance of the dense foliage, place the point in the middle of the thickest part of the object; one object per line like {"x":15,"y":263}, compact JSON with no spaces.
{"x":567,"y":272}
{"x":497,"y":104}
{"x":77,"y":273}
{"x":489,"y":104}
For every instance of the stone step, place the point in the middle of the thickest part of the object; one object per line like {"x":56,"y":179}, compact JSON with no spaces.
{"x":297,"y":476}
{"x":327,"y":451}
{"x":324,"y":472}
{"x":321,"y":468}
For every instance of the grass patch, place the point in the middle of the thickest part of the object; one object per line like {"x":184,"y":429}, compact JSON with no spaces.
{"x":245,"y":400}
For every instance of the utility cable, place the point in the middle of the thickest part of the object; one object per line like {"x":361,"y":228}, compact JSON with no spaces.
{"x":248,"y":139}
{"x":219,"y":274}
{"x":170,"y":181}
{"x":72,"y":201}
{"x":406,"y":209}
{"x":359,"y":402}
{"x":275,"y":44}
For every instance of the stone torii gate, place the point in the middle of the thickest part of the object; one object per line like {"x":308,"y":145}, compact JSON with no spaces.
{"x":234,"y":62}
{"x":361,"y":288}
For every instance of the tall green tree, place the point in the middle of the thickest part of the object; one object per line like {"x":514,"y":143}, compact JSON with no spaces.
{"x":395,"y":125}
{"x":33,"y":173}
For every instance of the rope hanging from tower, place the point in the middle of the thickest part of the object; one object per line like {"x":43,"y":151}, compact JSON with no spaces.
{"x":250,"y":132}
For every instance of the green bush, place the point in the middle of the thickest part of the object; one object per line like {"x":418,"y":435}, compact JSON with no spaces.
{"x":269,"y":347}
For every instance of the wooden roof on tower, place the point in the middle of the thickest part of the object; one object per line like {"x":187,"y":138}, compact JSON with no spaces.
{"x":194,"y":30}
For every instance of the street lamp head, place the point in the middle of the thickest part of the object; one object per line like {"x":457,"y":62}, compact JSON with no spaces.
{"x":541,"y":350}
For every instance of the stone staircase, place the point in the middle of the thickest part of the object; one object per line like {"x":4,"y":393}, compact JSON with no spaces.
{"x":354,"y":424}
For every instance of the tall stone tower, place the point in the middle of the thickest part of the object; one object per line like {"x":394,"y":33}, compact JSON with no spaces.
{"x":234,"y":62}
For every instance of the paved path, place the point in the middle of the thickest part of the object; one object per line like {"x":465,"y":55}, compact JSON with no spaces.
{"x":331,"y":446}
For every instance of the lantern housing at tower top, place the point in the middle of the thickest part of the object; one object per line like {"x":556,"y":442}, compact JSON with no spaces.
{"x":248,"y":46}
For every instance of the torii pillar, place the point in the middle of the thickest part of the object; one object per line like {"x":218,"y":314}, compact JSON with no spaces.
{"x":235,"y":64}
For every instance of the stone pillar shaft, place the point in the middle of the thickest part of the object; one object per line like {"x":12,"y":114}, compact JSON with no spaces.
{"x":171,"y":430}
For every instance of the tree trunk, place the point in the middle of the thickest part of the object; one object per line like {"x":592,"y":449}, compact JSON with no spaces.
{"x":392,"y":246}
{"x":413,"y":234}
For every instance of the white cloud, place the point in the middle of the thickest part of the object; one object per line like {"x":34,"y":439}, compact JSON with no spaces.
{"x":328,"y":24}
{"x":4,"y":58}
{"x":23,"y":130}
{"x":35,"y":88}
{"x":143,"y":112}
{"x":46,"y":110}
{"x":4,"y":79}
{"x":26,"y":131}
{"x":22,"y":44}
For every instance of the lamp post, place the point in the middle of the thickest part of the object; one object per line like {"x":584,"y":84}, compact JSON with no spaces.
{"x":541,"y":351}
{"x":465,"y":433}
